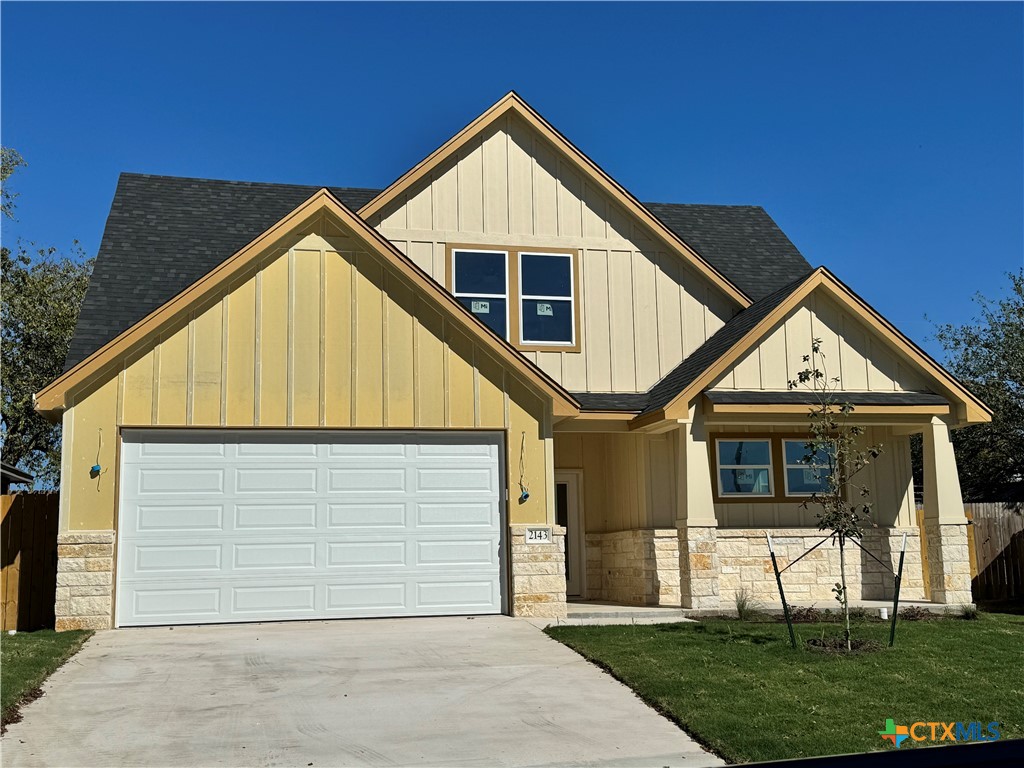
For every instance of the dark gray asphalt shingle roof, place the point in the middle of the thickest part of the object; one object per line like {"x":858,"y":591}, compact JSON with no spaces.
{"x":702,"y":358}
{"x":797,"y":397}
{"x":164,"y":233}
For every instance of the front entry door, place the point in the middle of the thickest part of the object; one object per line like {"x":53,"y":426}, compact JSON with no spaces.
{"x":567,"y":515}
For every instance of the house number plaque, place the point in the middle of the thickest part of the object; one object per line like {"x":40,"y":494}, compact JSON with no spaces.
{"x":538,"y":535}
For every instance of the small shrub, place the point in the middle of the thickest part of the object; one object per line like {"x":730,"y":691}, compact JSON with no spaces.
{"x":916,"y":613}
{"x":858,"y":613}
{"x":805,"y":615}
{"x":747,"y":608}
{"x":968,"y":612}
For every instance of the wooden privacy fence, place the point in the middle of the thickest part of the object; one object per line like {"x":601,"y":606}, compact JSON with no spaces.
{"x":996,"y":539}
{"x":28,"y":552}
{"x":995,"y":545}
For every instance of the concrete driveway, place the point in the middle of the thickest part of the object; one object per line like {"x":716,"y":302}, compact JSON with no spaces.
{"x":489,"y":691}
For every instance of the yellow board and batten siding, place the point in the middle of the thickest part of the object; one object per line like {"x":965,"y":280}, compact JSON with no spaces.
{"x":643,"y":309}
{"x":852,"y":353}
{"x":318,"y":336}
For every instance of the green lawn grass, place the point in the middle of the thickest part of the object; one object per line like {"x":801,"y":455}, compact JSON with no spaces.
{"x":743,"y":692}
{"x":28,"y":658}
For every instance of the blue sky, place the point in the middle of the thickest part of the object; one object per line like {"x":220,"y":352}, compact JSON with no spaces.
{"x":887,"y":140}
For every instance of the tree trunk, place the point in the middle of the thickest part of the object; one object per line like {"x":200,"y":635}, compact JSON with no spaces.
{"x":845,"y":600}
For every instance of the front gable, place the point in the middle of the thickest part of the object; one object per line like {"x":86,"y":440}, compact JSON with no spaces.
{"x":645,"y":301}
{"x":862,"y":349}
{"x":852,"y":352}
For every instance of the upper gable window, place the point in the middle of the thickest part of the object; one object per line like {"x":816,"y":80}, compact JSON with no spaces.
{"x":546,"y":301}
{"x":527,"y":296}
{"x":480,"y":283}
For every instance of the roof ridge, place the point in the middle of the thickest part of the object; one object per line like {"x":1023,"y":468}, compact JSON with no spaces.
{"x":245,"y":183}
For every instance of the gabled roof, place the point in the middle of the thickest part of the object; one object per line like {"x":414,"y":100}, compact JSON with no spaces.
{"x":54,"y":396}
{"x":741,"y":241}
{"x":670,"y":397}
{"x":164,"y":233}
{"x":512,"y":103}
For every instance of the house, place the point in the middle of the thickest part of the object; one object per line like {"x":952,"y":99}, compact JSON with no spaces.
{"x":500,"y":383}
{"x":11,"y":475}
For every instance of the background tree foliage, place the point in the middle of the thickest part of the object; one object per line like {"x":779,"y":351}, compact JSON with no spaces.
{"x":42,"y":293}
{"x":988,"y":355}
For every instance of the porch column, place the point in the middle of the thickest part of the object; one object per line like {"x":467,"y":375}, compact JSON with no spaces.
{"x":695,"y":517}
{"x":945,"y":525}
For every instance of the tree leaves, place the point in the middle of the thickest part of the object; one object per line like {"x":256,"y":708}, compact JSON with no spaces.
{"x":987,"y":354}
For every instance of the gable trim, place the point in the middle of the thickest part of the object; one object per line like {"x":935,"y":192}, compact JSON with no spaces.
{"x":53,"y":397}
{"x":972,"y":410}
{"x":512,"y":102}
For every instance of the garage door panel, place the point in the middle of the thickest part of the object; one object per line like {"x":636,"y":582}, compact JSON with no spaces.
{"x":367,"y":480}
{"x":365,"y":514}
{"x":360,"y":599}
{"x":270,"y":555}
{"x":455,"y":480}
{"x":174,"y":518}
{"x":175,"y":604}
{"x":367,"y":448}
{"x":455,"y":515}
{"x":449,"y":552}
{"x":270,"y":516}
{"x":299,"y":525}
{"x":454,"y":595}
{"x":183,"y":481}
{"x":367,"y":554}
{"x":267,"y":479}
{"x":156,"y":560}
{"x":168,"y":449}
{"x":279,"y":449}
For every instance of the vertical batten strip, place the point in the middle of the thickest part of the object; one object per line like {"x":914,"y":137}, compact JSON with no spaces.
{"x":155,"y":414}
{"x":354,"y":325}
{"x":290,"y":343}
{"x":119,"y":417}
{"x":322,"y":378}
{"x":385,"y":349}
{"x":417,"y":419}
{"x":258,"y":356}
{"x":224,"y":338}
{"x":190,"y":369}
{"x":445,"y":366}
{"x":476,"y":388}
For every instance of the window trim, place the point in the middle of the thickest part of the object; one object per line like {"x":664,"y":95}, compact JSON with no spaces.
{"x":780,"y":486}
{"x":514,"y":299}
{"x":571,"y":298}
{"x":770,"y":466}
{"x":786,"y":466}
{"x":507,"y":298}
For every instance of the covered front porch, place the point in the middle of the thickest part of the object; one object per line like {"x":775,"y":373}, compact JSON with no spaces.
{"x":648,"y":523}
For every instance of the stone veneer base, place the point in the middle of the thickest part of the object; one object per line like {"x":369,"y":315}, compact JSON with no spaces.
{"x":538,"y":575}
{"x":85,"y":580}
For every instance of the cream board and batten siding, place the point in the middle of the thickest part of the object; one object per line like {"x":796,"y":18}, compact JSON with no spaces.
{"x":643,"y":308}
{"x":862,"y":361}
{"x":318,"y":336}
{"x":889,"y":478}
{"x":628,"y":479}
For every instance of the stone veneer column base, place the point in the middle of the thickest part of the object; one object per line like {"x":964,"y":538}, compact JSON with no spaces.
{"x":949,"y":564}
{"x":699,"y":567}
{"x":85,"y":580}
{"x":538,"y":575}
{"x":634,"y":567}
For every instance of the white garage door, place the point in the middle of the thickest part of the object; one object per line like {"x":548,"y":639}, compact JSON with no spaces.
{"x":219,"y":526}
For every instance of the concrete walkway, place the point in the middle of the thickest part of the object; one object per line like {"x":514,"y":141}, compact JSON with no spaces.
{"x":488,"y":691}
